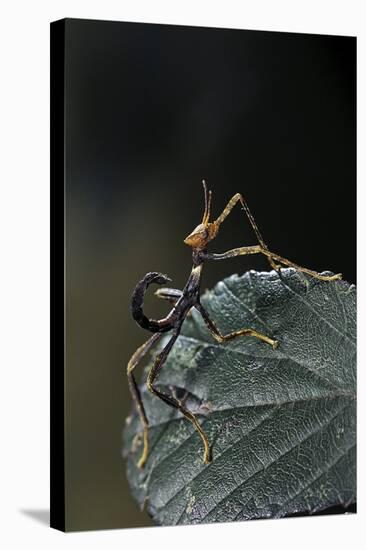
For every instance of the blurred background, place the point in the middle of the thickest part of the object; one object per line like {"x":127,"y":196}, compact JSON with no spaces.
{"x":150,"y":111}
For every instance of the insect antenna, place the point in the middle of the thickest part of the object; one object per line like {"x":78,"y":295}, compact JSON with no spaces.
{"x":208,"y":197}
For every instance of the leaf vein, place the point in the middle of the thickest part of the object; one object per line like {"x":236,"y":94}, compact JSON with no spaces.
{"x":322,"y":472}
{"x":311,"y":434}
{"x":308,"y":304}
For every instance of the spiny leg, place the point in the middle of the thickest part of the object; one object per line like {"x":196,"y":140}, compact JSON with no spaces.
{"x":228,"y":208}
{"x":314,"y":274}
{"x":242,"y":332}
{"x":245,"y":250}
{"x":135,"y":392}
{"x":172,"y":401}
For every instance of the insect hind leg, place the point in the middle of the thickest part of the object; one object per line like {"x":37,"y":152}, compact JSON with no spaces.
{"x":172,"y":401}
{"x":135,"y":392}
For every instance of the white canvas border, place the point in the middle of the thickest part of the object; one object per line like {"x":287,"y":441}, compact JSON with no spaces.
{"x":24,"y":219}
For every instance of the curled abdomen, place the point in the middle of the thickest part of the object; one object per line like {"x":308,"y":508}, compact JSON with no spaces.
{"x":153,"y":325}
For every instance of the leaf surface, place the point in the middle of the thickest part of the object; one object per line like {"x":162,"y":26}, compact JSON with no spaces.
{"x":282,"y":423}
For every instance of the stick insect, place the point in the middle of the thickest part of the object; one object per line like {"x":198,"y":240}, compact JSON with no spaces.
{"x":189,"y":297}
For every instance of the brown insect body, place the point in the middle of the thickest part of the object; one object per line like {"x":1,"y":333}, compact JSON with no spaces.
{"x":202,"y":235}
{"x":189,"y":297}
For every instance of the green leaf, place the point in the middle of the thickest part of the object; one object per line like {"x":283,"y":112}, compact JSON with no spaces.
{"x":282,"y":423}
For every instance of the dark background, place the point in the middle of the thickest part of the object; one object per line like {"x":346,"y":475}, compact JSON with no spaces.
{"x":150,"y":111}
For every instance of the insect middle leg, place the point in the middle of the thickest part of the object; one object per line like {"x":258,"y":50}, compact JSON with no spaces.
{"x":242,"y":332}
{"x":135,"y":392}
{"x":170,"y":294}
{"x":172,"y":401}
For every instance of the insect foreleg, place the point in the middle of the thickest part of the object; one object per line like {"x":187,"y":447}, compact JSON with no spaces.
{"x":245,"y":250}
{"x":242,"y":251}
{"x":230,"y":205}
{"x":314,"y":274}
